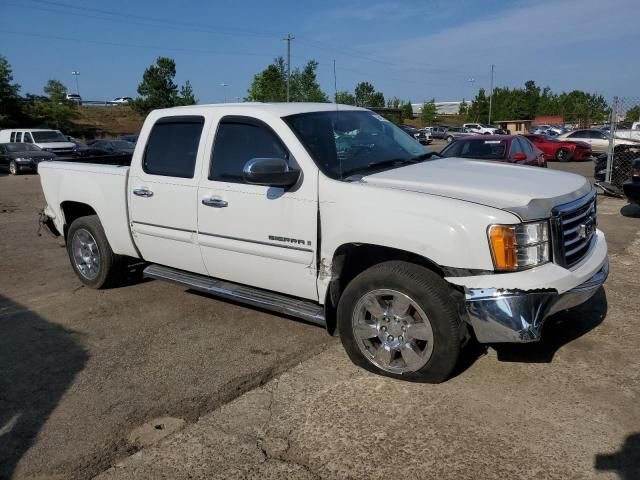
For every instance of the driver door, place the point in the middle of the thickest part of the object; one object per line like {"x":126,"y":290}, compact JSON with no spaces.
{"x":256,"y":235}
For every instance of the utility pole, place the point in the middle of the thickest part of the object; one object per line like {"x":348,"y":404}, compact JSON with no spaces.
{"x":288,"y":40}
{"x":75,"y":73}
{"x":491,"y":93}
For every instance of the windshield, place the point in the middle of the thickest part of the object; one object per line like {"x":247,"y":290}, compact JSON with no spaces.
{"x":22,"y":147}
{"x":48,"y":136}
{"x":481,"y":149}
{"x":343,"y":143}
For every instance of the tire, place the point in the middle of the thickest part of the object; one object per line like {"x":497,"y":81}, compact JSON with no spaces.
{"x":13,"y":168}
{"x":415,"y":333}
{"x":90,"y":254}
{"x":486,"y":133}
{"x":563,"y":155}
{"x":449,"y":139}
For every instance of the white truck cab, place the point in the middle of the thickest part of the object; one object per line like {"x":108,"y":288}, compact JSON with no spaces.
{"x":50,"y":140}
{"x":334,"y":215}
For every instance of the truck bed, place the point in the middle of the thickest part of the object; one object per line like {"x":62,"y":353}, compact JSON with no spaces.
{"x":103,"y":187}
{"x":123,"y":160}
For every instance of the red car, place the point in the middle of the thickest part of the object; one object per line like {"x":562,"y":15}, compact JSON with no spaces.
{"x":500,"y":148}
{"x":561,"y":150}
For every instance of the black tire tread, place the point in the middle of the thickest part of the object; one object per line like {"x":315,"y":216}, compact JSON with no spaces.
{"x":436,"y":301}
{"x":111,"y":265}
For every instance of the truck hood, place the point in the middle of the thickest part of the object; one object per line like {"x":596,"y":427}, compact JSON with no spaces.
{"x":529,"y":192}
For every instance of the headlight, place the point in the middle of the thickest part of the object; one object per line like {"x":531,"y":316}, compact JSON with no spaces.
{"x":517,"y":247}
{"x":23,"y":160}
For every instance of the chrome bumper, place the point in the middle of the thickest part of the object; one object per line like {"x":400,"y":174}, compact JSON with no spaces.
{"x":499,"y":315}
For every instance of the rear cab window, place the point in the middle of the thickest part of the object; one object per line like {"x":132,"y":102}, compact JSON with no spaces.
{"x":172,"y":146}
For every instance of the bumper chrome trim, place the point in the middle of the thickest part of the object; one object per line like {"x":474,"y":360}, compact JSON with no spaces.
{"x":499,"y":315}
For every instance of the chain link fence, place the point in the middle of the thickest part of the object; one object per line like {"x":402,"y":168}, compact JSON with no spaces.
{"x":624,"y":141}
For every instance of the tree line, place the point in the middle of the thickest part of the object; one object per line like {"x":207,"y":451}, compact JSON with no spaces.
{"x":531,"y":101}
{"x":158,"y":89}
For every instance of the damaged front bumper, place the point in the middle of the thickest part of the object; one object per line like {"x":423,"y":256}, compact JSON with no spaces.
{"x":503,"y":315}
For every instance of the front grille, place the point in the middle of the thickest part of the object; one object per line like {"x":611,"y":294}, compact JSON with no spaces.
{"x":574,"y":229}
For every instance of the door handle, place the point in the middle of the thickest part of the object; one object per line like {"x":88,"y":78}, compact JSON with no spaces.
{"x":214,"y":202}
{"x":143,"y":192}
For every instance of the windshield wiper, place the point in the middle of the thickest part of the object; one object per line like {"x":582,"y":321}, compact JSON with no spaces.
{"x":393,"y":162}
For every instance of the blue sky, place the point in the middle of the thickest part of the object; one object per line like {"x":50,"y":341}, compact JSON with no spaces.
{"x":410,"y":49}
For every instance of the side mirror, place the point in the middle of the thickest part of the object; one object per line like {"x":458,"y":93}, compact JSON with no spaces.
{"x":272,"y":172}
{"x":519,"y":156}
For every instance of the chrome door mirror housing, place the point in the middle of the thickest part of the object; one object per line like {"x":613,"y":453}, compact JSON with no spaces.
{"x":272,"y":172}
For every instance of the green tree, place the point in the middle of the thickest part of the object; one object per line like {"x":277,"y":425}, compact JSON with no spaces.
{"x":479,"y":109}
{"x":633,"y":114}
{"x":11,"y":111}
{"x":53,"y":111}
{"x":304,"y":85}
{"x":345,"y":98}
{"x":428,"y":113}
{"x":158,"y":89}
{"x":270,"y":85}
{"x":407,"y":109}
{"x":464,"y":108}
{"x":366,"y":96}
{"x":186,"y":95}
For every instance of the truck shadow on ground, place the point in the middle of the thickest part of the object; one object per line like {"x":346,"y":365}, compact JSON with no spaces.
{"x":38,"y":362}
{"x":630,"y":210}
{"x":625,"y":462}
{"x":559,"y":330}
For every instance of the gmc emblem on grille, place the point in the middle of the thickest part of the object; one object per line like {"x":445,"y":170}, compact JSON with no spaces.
{"x":586,"y":229}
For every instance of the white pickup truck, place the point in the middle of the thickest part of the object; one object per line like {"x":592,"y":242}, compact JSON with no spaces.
{"x":334,"y":215}
{"x":631,"y":134}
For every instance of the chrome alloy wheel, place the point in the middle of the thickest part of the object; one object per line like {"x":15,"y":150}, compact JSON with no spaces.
{"x":13,"y":168}
{"x":86,"y":255}
{"x":392,"y":331}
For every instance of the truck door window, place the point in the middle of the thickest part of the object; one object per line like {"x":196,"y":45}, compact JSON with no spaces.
{"x":237,"y":142}
{"x":172,"y":146}
{"x":27,"y":138}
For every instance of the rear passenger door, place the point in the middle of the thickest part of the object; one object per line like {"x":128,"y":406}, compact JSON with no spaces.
{"x":257,"y":235}
{"x":163,"y":192}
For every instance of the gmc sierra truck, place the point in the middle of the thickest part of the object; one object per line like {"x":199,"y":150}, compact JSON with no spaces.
{"x":334,"y":215}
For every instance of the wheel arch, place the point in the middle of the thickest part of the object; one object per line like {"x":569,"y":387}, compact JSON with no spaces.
{"x":350,"y":259}
{"x":71,"y":210}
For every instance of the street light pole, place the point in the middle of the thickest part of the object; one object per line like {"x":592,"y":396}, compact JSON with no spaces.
{"x":223,"y":85}
{"x":76,"y":73}
{"x":491,"y":93}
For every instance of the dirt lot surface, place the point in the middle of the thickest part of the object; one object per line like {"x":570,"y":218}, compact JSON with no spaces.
{"x":89,"y":377}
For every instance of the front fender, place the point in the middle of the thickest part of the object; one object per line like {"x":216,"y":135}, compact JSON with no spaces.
{"x":447,"y":232}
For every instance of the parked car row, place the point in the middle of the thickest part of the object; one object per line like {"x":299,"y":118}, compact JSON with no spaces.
{"x":75,"y":98}
{"x":423,"y":136}
{"x":23,"y":149}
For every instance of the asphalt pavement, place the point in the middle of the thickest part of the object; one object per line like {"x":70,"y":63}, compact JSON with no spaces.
{"x":165,"y":382}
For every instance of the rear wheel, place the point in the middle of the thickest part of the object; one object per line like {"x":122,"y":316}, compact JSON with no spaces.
{"x":398,"y":319}
{"x":563,"y":155}
{"x":90,"y":253}
{"x":449,"y":139}
{"x":13,"y":168}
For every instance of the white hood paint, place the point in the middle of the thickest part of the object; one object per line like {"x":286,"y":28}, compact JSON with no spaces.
{"x":529,"y":192}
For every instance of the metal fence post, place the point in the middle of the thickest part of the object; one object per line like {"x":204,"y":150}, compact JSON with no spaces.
{"x":612,"y":133}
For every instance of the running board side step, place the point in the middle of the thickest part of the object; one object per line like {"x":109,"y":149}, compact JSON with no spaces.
{"x":276,"y":302}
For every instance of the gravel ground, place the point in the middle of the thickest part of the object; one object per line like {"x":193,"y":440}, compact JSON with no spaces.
{"x":84,"y":374}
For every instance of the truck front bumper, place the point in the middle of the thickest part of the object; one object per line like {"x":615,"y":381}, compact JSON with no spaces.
{"x":498,"y":315}
{"x":513,"y":307}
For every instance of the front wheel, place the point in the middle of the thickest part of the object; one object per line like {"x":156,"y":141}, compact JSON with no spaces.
{"x":90,"y":253}
{"x":398,"y":319}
